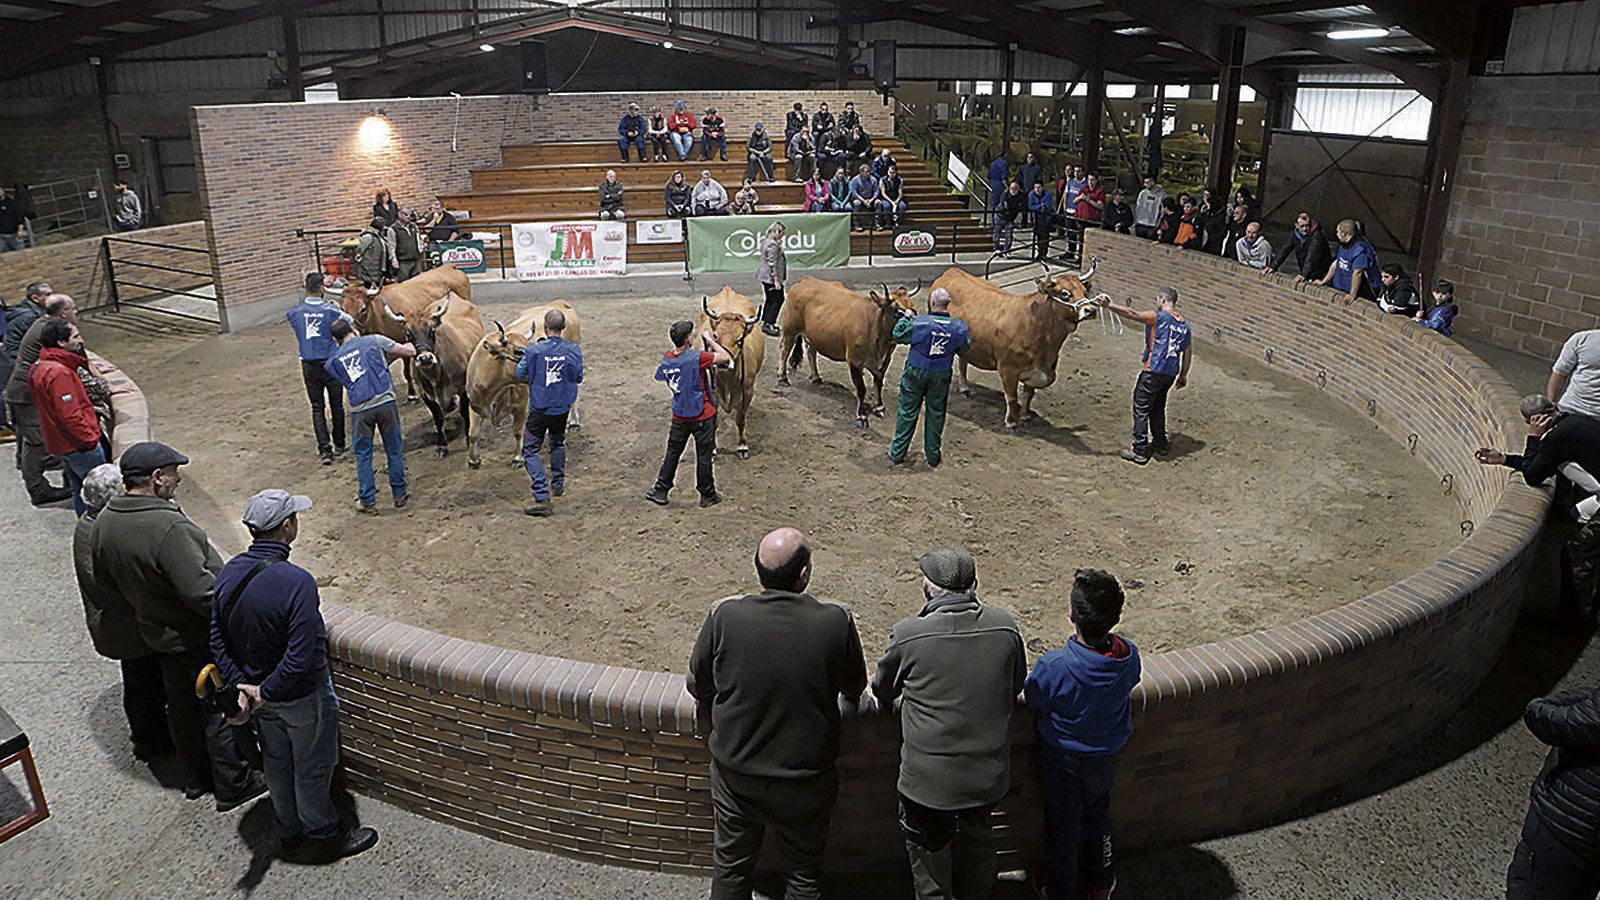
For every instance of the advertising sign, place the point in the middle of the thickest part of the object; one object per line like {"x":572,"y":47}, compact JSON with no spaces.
{"x":733,"y":243}
{"x":468,"y":256}
{"x":659,"y":231}
{"x":957,"y":173}
{"x":550,"y":250}
{"x":914,"y":241}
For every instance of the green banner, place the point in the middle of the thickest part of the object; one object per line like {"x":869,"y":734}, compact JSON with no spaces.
{"x":733,"y":243}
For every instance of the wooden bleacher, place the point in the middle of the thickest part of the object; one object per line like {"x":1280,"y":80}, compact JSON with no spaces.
{"x":559,"y":182}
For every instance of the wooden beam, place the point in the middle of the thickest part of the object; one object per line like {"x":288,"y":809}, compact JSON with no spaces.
{"x":291,"y":58}
{"x":1225,"y":125}
{"x":31,"y":43}
{"x":1444,"y":151}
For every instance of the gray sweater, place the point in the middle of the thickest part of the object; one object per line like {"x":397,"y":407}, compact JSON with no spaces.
{"x":952,"y":673}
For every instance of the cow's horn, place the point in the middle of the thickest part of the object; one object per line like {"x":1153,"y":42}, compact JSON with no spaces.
{"x":705,"y":304}
{"x":1085,"y":276}
{"x":751,"y":320}
{"x":389,"y":312}
{"x":443,"y":307}
{"x":915,"y":289}
{"x":500,"y":328}
{"x":885,"y":287}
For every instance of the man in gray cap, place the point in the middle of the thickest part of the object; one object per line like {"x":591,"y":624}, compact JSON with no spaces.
{"x":148,"y":552}
{"x":952,"y":673}
{"x":269,"y":640}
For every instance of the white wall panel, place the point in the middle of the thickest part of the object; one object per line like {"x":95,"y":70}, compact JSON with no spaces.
{"x":1554,"y":37}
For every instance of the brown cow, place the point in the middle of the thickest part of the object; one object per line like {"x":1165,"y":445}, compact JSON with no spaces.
{"x":493,"y":388}
{"x":445,"y":336}
{"x":414,"y":295}
{"x":844,"y":326}
{"x":731,"y":317}
{"x":1018,"y":336}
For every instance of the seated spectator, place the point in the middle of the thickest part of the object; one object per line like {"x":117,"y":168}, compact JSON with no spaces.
{"x":1212,"y":220}
{"x":384,"y":207}
{"x":818,"y":196}
{"x":611,"y":197}
{"x":822,"y":120}
{"x":1171,"y":218}
{"x":710,"y":197}
{"x":745,"y":199}
{"x":659,"y":134}
{"x":849,"y":120}
{"x":1042,"y":206}
{"x":441,"y":225}
{"x":1354,"y":271}
{"x":630,"y":132}
{"x":1253,"y":250}
{"x":1013,"y":203}
{"x":681,"y":125}
{"x":1575,"y":378}
{"x":715,"y":131}
{"x":1080,"y":697}
{"x":839,"y":190}
{"x":759,"y":149}
{"x":862,"y":198}
{"x":1310,"y":248}
{"x":127,"y":213}
{"x":795,"y":122}
{"x":802,"y":155}
{"x":1188,"y":236}
{"x":858,"y":148}
{"x":1441,"y":316}
{"x":679,"y":194}
{"x":1397,"y":295}
{"x":1238,"y":218}
{"x":880,"y":166}
{"x":891,"y":199}
{"x":1119,"y":215}
{"x":831,"y":153}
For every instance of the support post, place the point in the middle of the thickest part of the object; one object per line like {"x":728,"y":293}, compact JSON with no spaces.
{"x":1094,"y":106}
{"x":291,"y":58}
{"x":841,"y":47}
{"x":102,"y":91}
{"x":1005,"y":95}
{"x":1152,"y":148}
{"x":1274,"y":114}
{"x":1225,"y":126}
{"x":1444,"y":150}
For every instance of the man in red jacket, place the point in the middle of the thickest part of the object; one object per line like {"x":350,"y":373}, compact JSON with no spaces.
{"x":66,"y":417}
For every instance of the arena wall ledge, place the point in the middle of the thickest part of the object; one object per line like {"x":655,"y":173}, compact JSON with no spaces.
{"x":605,"y":763}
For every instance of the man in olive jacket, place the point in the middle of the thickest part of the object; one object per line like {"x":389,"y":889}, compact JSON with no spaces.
{"x":952,"y":673}
{"x":146,"y":550}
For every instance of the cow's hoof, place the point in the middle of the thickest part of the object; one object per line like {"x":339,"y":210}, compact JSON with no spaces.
{"x":474,"y":463}
{"x":861,"y":422}
{"x":441,"y":452}
{"x":878,"y":412}
{"x":743,"y":452}
{"x":1010,"y":428}
{"x":817,"y":379}
{"x":966,"y":392}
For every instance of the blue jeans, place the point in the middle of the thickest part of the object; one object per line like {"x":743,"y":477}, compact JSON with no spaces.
{"x":1002,"y":234}
{"x":386,"y":418}
{"x":76,"y":467}
{"x":889,"y":212}
{"x":720,"y":143}
{"x":10,"y":242}
{"x":622,"y":144}
{"x":533,"y":437}
{"x":299,"y":751}
{"x":682,"y":143}
{"x":1077,"y":819}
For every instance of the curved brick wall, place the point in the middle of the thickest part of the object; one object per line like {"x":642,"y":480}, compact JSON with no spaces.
{"x":602,"y":762}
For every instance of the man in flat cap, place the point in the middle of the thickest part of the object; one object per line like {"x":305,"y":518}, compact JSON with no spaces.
{"x":269,"y":640}
{"x":148,"y":552}
{"x":952,"y":673}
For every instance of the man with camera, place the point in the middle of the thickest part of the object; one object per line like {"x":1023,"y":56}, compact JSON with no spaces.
{"x":269,"y":641}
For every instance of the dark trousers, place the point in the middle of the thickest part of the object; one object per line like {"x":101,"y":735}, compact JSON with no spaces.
{"x":205,"y":743}
{"x":539,"y":426}
{"x":659,"y":145}
{"x":1077,"y":819}
{"x":774,"y":303}
{"x":704,"y":433}
{"x":31,"y":456}
{"x":1543,"y":868}
{"x":1148,"y":232}
{"x":952,"y":851}
{"x":1042,"y":223}
{"x":326,"y":396}
{"x":798,"y":810}
{"x":144,"y":702}
{"x":1150,"y":410}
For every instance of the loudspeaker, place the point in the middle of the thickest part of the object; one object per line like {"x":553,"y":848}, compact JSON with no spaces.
{"x":883,"y":74}
{"x":535,"y":72}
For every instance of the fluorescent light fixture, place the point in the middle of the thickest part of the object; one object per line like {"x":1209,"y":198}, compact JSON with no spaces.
{"x":1357,"y":33}
{"x":666,"y":45}
{"x":487,"y":48}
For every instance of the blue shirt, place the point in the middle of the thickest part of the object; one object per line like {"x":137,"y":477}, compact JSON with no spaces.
{"x":360,"y":365}
{"x":998,"y":170}
{"x":274,"y":636}
{"x":935,"y":340}
{"x":553,"y":368}
{"x":1080,"y":697}
{"x":310,"y":321}
{"x":1073,"y":187}
{"x":1165,"y":339}
{"x":1043,"y":201}
{"x":684,"y":373}
{"x":863,"y":187}
{"x":1358,"y":254}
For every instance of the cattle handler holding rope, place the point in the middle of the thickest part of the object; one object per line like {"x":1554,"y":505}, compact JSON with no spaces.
{"x":935,"y":340}
{"x":1166,"y":365}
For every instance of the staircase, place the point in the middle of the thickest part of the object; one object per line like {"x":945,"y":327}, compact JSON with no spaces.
{"x":559,"y":182}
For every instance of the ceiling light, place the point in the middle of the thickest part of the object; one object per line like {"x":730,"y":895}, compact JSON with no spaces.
{"x":666,"y":45}
{"x":1356,"y":34}
{"x":487,"y":48}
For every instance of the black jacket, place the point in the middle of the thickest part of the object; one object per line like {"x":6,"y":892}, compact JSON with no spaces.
{"x":18,"y":320}
{"x":1213,"y":225}
{"x":1400,"y":296}
{"x":1012,"y":205}
{"x":1230,"y":243}
{"x":1312,"y":255}
{"x":1566,"y":795}
{"x":1573,"y":438}
{"x":1118,"y":217}
{"x":821,"y":122}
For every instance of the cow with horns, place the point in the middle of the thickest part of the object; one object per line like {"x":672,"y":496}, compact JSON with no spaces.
{"x":493,"y":389}
{"x":844,"y":326}
{"x":731,"y":317}
{"x":384,"y":311}
{"x":444,"y":336}
{"x":1018,"y":336}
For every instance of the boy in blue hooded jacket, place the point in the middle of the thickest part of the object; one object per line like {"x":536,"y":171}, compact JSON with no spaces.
{"x":1080,"y":698}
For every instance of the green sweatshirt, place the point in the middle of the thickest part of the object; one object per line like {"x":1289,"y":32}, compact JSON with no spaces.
{"x":148,"y":552}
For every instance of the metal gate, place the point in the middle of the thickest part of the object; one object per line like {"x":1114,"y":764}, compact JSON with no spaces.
{"x":150,"y":275}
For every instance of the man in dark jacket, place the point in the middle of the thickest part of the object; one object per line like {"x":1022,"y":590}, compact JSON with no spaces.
{"x":1119,"y":215}
{"x":1013,"y":203}
{"x":1558,"y":855}
{"x":611,"y":197}
{"x":22,"y":344}
{"x":771,"y":669}
{"x":1312,"y":255}
{"x":952,"y":673}
{"x":149,"y":553}
{"x":822,"y":120}
{"x":115,"y":631}
{"x":269,"y":641}
{"x":630,"y":130}
{"x":759,"y":149}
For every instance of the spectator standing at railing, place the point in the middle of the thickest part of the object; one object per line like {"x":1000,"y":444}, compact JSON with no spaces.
{"x":24,"y":338}
{"x":679,"y":196}
{"x":630,"y":131}
{"x":862,"y":198}
{"x":1171,"y":219}
{"x":1397,"y":296}
{"x":1013,"y":203}
{"x":1243,"y":197}
{"x":1119,"y":215}
{"x":819,"y":197}
{"x":1031,"y":172}
{"x":1042,"y":206}
{"x":374,"y":254}
{"x":611,"y":197}
{"x":891,"y":199}
{"x":1148,"y":209}
{"x":714,"y":131}
{"x":660,"y":136}
{"x":1354,"y":271}
{"x":1087,"y":213}
{"x":1310,"y":249}
{"x":1212,"y":219}
{"x":1575,"y":378}
{"x":849,"y":119}
{"x":802,"y":155}
{"x":682,"y":125}
{"x":1238,"y":219}
{"x":759,"y":149}
{"x":822,"y":121}
{"x":794,"y":122}
{"x":1441,"y":315}
{"x":128,"y":213}
{"x":1073,"y":181}
{"x":13,"y":226}
{"x":999,"y":175}
{"x":67,"y":420}
{"x":1253,"y":250}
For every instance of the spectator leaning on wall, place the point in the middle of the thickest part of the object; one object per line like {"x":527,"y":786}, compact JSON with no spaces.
{"x":1575,"y":378}
{"x":1308,"y":245}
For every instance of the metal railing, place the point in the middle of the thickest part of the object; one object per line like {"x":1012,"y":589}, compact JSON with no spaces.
{"x":73,"y":207}
{"x":116,"y":283}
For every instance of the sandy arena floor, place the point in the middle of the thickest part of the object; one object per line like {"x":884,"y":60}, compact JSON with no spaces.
{"x":1277,"y":503}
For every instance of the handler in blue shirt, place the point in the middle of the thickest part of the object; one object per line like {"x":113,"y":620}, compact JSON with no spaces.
{"x":935,"y":340}
{"x":1166,"y":365}
{"x":553,"y":368}
{"x":362,"y":367}
{"x":311,"y":321}
{"x":1355,"y":270}
{"x":269,"y":640}
{"x":694,"y":411}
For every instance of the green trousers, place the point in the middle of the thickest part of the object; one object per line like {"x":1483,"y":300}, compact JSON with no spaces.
{"x":918,"y":388}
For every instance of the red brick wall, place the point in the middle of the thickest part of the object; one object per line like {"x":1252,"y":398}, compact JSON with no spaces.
{"x":593,"y":117}
{"x":1525,"y":212}
{"x":77,"y":267}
